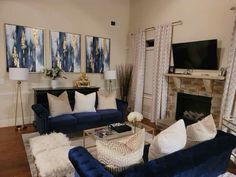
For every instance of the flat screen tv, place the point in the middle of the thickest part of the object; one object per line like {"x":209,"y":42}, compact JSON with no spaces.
{"x":196,"y":55}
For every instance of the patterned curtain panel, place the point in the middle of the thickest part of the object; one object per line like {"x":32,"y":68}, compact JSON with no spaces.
{"x":138,"y":71}
{"x":228,"y":107}
{"x":163,"y":39}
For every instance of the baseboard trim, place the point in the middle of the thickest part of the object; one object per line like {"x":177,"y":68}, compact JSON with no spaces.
{"x":8,"y":122}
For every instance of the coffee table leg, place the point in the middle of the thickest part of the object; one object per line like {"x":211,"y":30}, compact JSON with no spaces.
{"x":83,"y":138}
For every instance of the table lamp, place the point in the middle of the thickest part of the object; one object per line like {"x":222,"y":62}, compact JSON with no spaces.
{"x":110,"y":75}
{"x":19,"y":75}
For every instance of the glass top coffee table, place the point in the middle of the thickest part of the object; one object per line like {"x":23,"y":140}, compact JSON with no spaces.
{"x":106,"y":133}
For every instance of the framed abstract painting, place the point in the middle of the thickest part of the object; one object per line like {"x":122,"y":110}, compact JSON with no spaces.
{"x":24,"y":47}
{"x":97,"y":54}
{"x":66,"y":51}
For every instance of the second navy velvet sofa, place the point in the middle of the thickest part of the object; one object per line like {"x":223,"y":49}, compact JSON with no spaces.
{"x":69,"y":123}
{"x":207,"y":159}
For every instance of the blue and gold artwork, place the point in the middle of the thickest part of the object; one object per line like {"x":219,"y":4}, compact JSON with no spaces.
{"x":66,"y":51}
{"x":97,"y":54}
{"x":24,"y":47}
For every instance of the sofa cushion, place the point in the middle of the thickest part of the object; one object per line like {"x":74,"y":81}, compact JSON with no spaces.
{"x":117,"y":155}
{"x":63,"y":121}
{"x":84,"y":103}
{"x":59,"y":104}
{"x":201,"y":131}
{"x":107,"y":101}
{"x":87,"y":117}
{"x":110,"y":114}
{"x":168,"y":141}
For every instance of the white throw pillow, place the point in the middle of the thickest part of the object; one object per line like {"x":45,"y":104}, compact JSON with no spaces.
{"x":85,"y":103}
{"x":58,"y":105}
{"x":168,"y":141}
{"x":201,"y":131}
{"x":107,"y":101}
{"x":121,"y":153}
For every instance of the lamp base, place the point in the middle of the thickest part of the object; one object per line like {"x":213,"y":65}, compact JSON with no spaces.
{"x":20,"y":128}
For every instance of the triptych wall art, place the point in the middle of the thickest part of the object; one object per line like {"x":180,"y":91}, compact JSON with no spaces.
{"x":25,"y":49}
{"x":65,"y":51}
{"x":97,"y":54}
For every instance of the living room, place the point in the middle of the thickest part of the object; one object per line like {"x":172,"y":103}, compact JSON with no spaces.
{"x":128,"y":33}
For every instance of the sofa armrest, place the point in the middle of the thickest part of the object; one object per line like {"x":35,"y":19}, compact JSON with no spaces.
{"x":122,"y":107}
{"x":85,"y":164}
{"x":41,"y":118}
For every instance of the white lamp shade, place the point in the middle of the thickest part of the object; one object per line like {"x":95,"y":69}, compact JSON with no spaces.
{"x":110,"y":75}
{"x":18,"y":74}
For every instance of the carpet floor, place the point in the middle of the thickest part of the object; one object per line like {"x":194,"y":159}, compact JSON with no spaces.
{"x":75,"y":141}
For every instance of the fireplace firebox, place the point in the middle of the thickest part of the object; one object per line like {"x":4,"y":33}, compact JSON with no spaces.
{"x":192,"y":108}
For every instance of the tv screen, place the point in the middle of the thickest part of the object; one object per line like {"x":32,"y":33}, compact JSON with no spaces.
{"x":196,"y":55}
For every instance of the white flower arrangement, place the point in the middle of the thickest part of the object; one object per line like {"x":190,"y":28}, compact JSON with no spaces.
{"x":135,"y":116}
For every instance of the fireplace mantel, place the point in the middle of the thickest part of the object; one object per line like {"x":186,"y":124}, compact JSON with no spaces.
{"x":207,"y":79}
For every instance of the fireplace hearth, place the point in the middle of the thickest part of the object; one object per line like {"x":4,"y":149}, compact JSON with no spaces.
{"x":192,"y":108}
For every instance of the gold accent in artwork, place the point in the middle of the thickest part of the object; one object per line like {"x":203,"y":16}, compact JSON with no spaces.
{"x":23,"y":46}
{"x":74,"y":41}
{"x":35,"y":36}
{"x":15,"y":58}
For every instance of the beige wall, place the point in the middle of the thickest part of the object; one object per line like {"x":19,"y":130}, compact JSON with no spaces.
{"x":86,"y":17}
{"x":202,"y":19}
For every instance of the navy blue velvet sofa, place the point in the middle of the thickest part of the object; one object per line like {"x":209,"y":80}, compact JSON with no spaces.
{"x":69,"y":123}
{"x":207,"y":159}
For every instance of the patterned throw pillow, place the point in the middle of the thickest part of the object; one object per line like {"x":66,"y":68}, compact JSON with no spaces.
{"x":59,"y":105}
{"x":120,"y":154}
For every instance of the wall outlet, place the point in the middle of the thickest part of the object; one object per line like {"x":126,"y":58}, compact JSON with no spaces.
{"x":115,"y":23}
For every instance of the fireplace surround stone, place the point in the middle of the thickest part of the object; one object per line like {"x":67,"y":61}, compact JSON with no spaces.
{"x":195,"y":87}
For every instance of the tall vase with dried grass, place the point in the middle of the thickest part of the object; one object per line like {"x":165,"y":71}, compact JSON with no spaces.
{"x":124,"y":77}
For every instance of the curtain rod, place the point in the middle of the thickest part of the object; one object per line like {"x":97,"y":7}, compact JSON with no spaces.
{"x":173,"y":24}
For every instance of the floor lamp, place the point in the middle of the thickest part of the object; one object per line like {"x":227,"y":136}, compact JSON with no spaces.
{"x":19,"y":75}
{"x":110,"y":75}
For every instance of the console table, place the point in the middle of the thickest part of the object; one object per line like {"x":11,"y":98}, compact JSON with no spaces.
{"x":40,"y":94}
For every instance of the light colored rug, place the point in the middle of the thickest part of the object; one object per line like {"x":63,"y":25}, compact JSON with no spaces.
{"x":75,"y":141}
{"x":227,"y":174}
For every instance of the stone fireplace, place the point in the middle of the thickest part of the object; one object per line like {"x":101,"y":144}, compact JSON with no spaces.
{"x":194,"y":87}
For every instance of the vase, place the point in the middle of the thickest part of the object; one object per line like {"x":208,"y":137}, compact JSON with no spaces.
{"x":134,"y":123}
{"x":54,"y":83}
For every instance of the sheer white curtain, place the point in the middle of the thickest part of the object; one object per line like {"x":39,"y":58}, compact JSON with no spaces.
{"x":138,"y":70}
{"x":228,"y":106}
{"x":162,"y":48}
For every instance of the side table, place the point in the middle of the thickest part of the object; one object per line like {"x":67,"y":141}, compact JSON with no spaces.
{"x":229,"y":124}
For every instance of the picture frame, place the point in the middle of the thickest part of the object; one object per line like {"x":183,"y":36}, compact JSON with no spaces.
{"x":97,"y":54}
{"x":171,"y":69}
{"x":25,"y":47}
{"x":65,"y":51}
